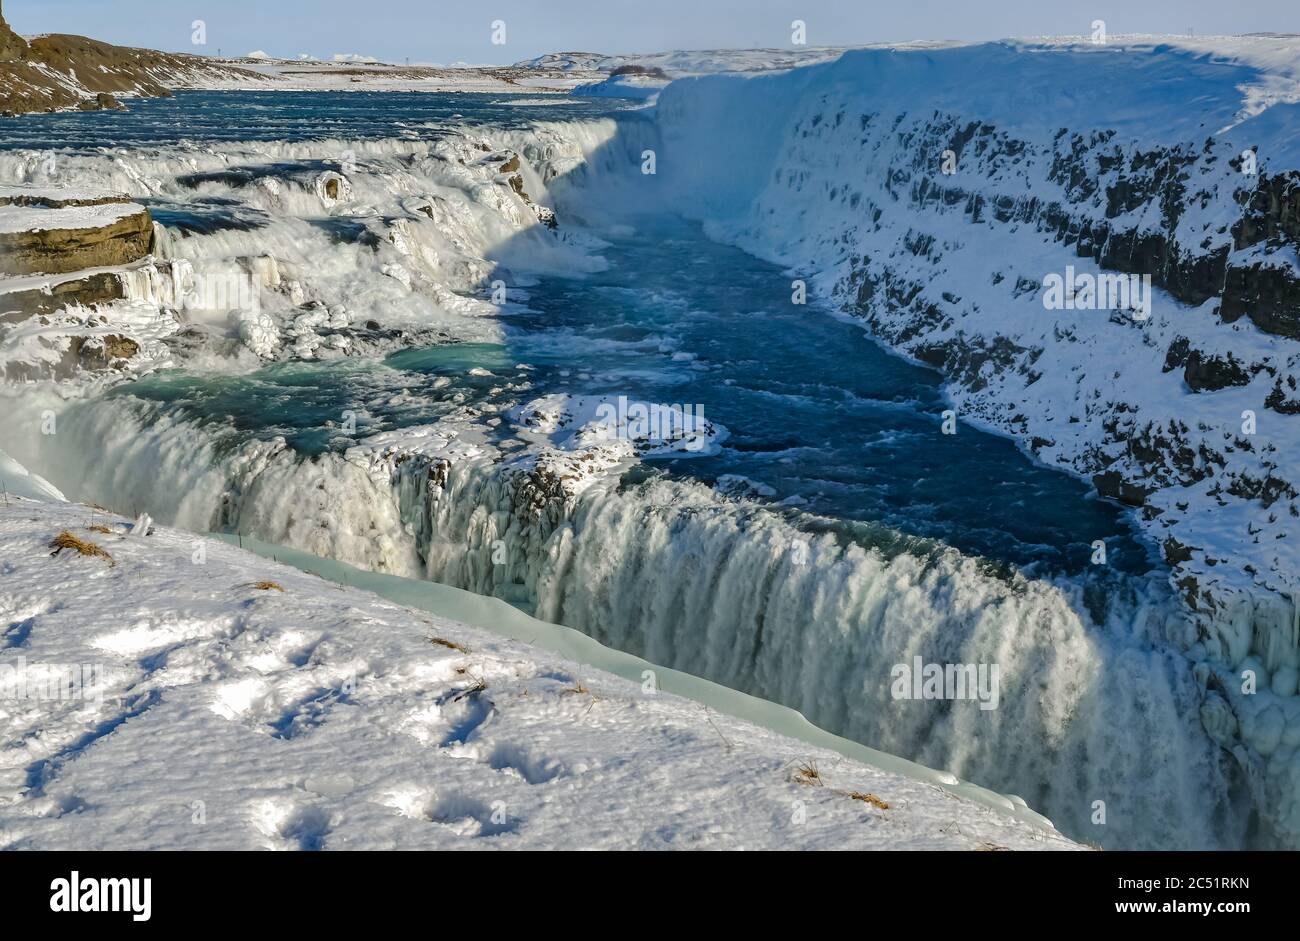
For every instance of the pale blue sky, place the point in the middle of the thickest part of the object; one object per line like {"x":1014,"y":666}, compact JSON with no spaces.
{"x":452,"y":30}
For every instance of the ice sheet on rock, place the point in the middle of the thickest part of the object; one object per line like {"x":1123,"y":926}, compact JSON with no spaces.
{"x":17,"y":481}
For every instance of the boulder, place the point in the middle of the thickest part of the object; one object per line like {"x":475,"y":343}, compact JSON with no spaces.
{"x":1111,"y":484}
{"x":102,"y":102}
{"x":1210,"y":372}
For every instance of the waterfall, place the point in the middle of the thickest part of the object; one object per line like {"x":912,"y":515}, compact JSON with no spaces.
{"x":1090,"y":708}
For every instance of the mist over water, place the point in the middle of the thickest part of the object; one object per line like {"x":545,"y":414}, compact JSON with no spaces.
{"x":835,"y":534}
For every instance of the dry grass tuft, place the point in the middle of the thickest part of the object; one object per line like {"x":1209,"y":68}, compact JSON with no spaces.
{"x":267,"y":586}
{"x":580,"y":689}
{"x":449,"y":644}
{"x":807,"y":773}
{"x":479,"y":686}
{"x":991,"y":848}
{"x":871,"y":799}
{"x":100,"y":528}
{"x":65,"y":540}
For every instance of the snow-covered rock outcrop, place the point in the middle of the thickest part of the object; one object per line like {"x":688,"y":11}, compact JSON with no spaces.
{"x":46,"y":231}
{"x":65,"y":255}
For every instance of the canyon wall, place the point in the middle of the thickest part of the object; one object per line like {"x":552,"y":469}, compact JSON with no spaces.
{"x":1096,"y":245}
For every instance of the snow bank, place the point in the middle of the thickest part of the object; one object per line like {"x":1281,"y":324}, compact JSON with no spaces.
{"x":17,"y":481}
{"x":640,"y":87}
{"x":20,"y":218}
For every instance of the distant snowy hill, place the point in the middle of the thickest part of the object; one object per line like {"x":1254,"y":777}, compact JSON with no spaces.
{"x":680,"y":63}
{"x":644,"y":76}
{"x":565,"y":61}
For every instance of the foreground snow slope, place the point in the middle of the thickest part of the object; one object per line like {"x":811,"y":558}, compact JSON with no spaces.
{"x":236,"y":715}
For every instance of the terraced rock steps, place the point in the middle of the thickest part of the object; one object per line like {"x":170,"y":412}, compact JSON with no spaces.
{"x":63,"y":254}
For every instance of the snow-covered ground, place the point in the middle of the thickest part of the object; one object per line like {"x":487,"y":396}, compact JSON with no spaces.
{"x":218,"y":700}
{"x":319,"y":75}
{"x":34,"y":219}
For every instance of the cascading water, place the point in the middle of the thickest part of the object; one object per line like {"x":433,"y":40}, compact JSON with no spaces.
{"x":733,"y":592}
{"x":778,"y":592}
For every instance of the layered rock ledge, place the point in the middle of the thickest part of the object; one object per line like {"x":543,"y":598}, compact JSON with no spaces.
{"x":43,"y":231}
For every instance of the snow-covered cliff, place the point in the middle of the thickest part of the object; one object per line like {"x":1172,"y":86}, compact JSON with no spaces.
{"x":1096,"y":243}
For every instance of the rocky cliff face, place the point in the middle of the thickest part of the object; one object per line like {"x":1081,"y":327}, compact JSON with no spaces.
{"x":60,"y":72}
{"x":12,"y":46}
{"x":1216,"y":243}
{"x":66,"y":237}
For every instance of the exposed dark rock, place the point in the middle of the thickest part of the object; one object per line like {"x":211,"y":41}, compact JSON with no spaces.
{"x":1175,"y":552}
{"x":1112,"y":484}
{"x":1209,"y":373}
{"x":1176,"y":357}
{"x":1269,"y":295}
{"x":1272,"y":211}
{"x":1283,"y":397}
{"x":102,"y":102}
{"x":49,"y":200}
{"x":102,"y":352}
{"x":1266,"y":490}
